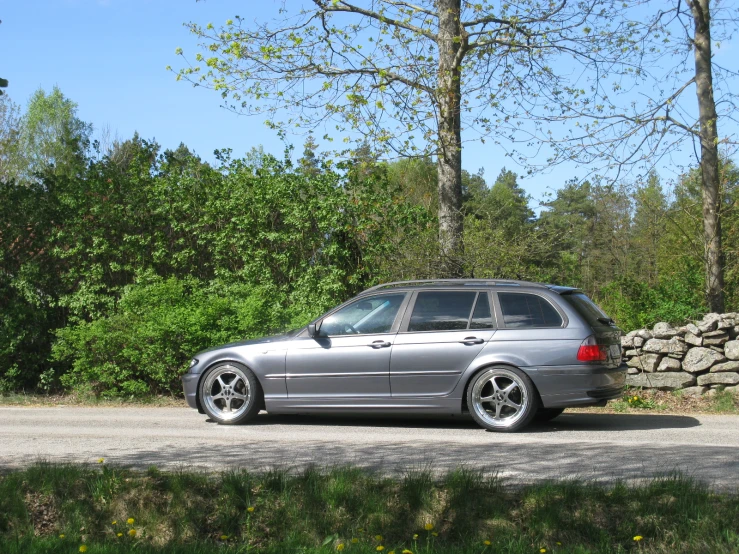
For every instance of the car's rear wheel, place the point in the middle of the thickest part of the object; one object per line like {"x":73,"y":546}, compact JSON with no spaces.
{"x":547,"y":414}
{"x":230,"y":394}
{"x":502,"y":399}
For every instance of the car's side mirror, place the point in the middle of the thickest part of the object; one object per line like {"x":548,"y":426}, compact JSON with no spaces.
{"x":312,"y":330}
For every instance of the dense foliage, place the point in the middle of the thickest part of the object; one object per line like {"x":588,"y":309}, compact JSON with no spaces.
{"x":120,"y":261}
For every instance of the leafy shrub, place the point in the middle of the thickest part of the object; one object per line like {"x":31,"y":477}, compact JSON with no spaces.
{"x":144,"y":345}
{"x":635,"y":304}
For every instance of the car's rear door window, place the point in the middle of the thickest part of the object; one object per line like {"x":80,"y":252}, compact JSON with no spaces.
{"x":527,"y":310}
{"x":482,"y":317}
{"x":441,"y":311}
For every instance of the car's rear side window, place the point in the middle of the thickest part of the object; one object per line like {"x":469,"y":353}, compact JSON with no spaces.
{"x":441,"y":311}
{"x":588,"y":309}
{"x":527,"y":310}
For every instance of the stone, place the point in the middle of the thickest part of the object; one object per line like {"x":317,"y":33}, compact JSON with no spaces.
{"x":638,"y":342}
{"x":715,"y":334}
{"x":731,"y":365}
{"x":716,"y":341}
{"x":633,"y":371}
{"x":731,"y":349}
{"x":699,"y":359}
{"x":627,"y":341}
{"x":693,"y":339}
{"x":663,"y":330}
{"x":663,"y":381}
{"x":661,"y":346}
{"x":692,"y":328}
{"x":645,"y":362}
{"x":643,"y":333}
{"x":632,"y":353}
{"x":709,"y":323}
{"x":669,"y":364}
{"x":694,"y":391}
{"x":715,"y":379}
{"x":735,"y":331}
{"x":725,"y":323}
{"x":732,"y":390}
{"x":718,"y":349}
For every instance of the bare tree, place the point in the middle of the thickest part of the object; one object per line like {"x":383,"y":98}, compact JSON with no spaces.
{"x":408,"y":77}
{"x":641,"y":110}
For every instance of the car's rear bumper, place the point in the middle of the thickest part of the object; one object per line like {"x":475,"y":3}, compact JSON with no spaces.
{"x":190,"y":387}
{"x":582,"y":385}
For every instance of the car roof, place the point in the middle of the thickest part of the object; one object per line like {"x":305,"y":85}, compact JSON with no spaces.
{"x":445,"y":283}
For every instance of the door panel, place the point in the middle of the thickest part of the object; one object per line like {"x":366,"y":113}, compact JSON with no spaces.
{"x":330,"y":367}
{"x":430,"y":364}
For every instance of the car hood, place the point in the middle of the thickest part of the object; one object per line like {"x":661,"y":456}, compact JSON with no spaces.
{"x":249,"y":342}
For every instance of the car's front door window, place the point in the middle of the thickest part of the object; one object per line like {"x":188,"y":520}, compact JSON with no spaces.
{"x":372,"y":315}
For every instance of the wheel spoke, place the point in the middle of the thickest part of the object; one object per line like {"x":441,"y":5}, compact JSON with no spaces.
{"x":511,"y":404}
{"x":486,"y":399}
{"x":510,"y":388}
{"x":498,"y":406}
{"x":496,"y":388}
{"x":220,"y":382}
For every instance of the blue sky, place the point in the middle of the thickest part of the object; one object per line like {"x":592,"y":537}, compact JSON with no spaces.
{"x":109,"y":56}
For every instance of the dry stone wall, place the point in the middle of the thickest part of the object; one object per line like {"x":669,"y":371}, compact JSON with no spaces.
{"x":697,"y":358}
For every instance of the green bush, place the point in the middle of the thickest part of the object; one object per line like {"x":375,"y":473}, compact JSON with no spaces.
{"x":145,"y":344}
{"x":634,"y":304}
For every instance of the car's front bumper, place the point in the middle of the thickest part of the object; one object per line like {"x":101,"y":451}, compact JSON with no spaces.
{"x":190,"y":387}
{"x":582,"y":385}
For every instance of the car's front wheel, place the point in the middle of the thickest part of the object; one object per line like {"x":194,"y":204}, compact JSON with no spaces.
{"x":502,"y":399}
{"x":230,"y":394}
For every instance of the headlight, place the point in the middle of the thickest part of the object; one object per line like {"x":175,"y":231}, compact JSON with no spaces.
{"x":193,"y":363}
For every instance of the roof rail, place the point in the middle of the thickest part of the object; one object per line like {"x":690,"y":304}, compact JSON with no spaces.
{"x":472,"y":282}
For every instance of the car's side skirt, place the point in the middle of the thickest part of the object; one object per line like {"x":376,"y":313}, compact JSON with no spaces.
{"x":405,"y":405}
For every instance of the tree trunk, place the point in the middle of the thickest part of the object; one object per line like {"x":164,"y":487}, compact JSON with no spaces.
{"x":709,"y":155}
{"x":449,"y":158}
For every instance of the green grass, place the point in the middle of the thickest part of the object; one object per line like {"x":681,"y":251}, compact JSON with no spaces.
{"x":317,"y":510}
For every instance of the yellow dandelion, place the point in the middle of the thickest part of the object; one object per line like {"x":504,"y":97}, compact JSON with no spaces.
{"x":250,"y":509}
{"x":224,"y":537}
{"x":132,"y":532}
{"x":380,"y":548}
{"x":638,"y":538}
{"x":114,"y":522}
{"x":486,"y":543}
{"x":415,"y":537}
{"x":428,"y":526}
{"x":101,"y":460}
{"x":406,"y":551}
{"x":62,"y":536}
{"x":119,"y":535}
{"x":378,"y":538}
{"x":355,"y":540}
{"x":83,"y":548}
{"x":130,"y":521}
{"x":542,"y":550}
{"x":559,"y":543}
{"x":391,"y":552}
{"x":340,"y":547}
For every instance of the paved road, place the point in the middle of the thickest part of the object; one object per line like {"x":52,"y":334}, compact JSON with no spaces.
{"x":600,"y":447}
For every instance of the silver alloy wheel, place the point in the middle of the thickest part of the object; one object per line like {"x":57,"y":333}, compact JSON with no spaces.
{"x":500,"y":397}
{"x":226,"y":392}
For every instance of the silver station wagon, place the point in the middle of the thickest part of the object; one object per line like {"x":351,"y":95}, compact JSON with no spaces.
{"x":506,"y":352}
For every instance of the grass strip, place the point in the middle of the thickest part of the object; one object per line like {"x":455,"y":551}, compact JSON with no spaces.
{"x":61,"y":508}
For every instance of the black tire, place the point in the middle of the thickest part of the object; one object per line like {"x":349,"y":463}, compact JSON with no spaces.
{"x":493,"y":394}
{"x":547,"y":414}
{"x":230,"y":394}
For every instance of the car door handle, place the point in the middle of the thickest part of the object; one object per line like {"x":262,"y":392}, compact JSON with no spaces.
{"x":472,"y":340}
{"x":380,"y":344}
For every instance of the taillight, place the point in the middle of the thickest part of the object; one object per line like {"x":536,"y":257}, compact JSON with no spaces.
{"x":590,"y":351}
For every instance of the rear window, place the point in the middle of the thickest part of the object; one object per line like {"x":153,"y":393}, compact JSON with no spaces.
{"x":527,"y":310}
{"x":588,"y":309}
